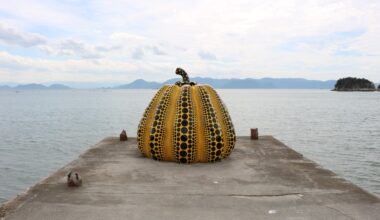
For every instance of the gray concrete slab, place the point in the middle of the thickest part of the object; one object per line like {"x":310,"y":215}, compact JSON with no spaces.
{"x":262,"y":179}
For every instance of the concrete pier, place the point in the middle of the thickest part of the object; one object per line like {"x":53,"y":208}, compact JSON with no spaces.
{"x":262,"y":179}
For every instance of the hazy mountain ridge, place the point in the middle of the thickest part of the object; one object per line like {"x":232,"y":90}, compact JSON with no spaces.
{"x":234,"y":83}
{"x":140,"y":84}
{"x":5,"y":87}
{"x":36,"y":86}
{"x":248,"y":83}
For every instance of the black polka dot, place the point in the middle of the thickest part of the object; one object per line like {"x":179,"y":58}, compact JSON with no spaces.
{"x":218,"y":138}
{"x":183,"y":146}
{"x":219,"y":145}
{"x":183,"y":138}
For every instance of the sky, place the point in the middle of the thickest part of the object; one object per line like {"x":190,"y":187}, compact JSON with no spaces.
{"x":120,"y":41}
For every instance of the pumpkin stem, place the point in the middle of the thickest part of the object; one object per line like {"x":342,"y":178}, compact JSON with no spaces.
{"x":185,"y":77}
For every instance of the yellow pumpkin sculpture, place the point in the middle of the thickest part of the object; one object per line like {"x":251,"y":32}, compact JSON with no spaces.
{"x":186,"y":123}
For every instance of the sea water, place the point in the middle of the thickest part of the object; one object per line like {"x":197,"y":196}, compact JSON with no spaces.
{"x":41,"y":131}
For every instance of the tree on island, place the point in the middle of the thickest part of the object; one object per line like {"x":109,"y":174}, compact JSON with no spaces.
{"x":378,"y":87}
{"x":354,"y":84}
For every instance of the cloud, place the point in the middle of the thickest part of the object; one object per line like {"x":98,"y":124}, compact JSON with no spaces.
{"x":78,"y":49}
{"x":108,"y":49}
{"x":128,"y":37}
{"x":206,"y":55}
{"x":138,"y":53}
{"x":291,"y":38}
{"x":74,"y":47}
{"x":144,"y":44}
{"x":156,"y":50}
{"x":321,"y":41}
{"x":55,"y":15}
{"x":11,"y":35}
{"x":24,"y":69}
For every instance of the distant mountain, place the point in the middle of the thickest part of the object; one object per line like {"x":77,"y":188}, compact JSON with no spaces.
{"x":140,"y":84}
{"x":32,"y":86}
{"x":58,"y":87}
{"x":248,"y":83}
{"x":295,"y":83}
{"x":89,"y":85}
{"x":4,"y":87}
{"x":35,"y":86}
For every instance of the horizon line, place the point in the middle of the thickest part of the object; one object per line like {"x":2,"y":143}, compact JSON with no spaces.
{"x":118,"y":82}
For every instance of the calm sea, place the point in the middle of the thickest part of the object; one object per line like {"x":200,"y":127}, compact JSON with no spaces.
{"x":41,"y":131}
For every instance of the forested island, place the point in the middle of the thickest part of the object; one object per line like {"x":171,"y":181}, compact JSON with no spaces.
{"x":354,"y":84}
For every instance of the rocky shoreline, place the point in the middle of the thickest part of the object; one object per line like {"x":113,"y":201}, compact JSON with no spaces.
{"x":355,"y":90}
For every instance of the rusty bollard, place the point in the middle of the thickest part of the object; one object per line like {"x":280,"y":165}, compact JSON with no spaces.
{"x":123,"y":136}
{"x":254,"y":134}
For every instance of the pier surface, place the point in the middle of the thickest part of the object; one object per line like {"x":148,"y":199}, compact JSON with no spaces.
{"x":262,"y":179}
